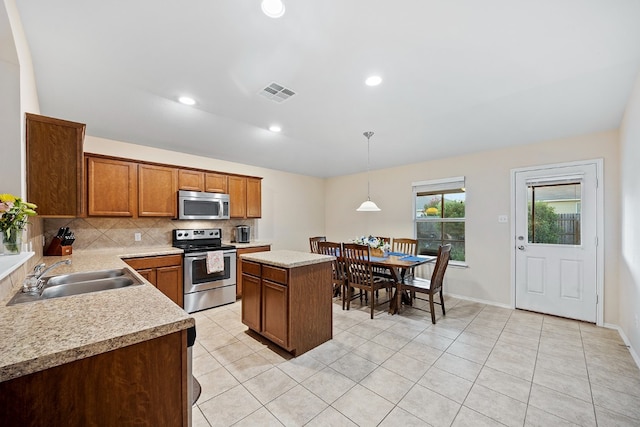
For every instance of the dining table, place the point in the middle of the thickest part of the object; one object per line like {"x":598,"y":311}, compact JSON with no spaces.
{"x":397,"y":265}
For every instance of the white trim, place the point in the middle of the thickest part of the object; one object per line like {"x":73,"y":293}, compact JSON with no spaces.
{"x":481,"y":301}
{"x":438,"y":181}
{"x":599,"y":163}
{"x":635,"y":356}
{"x":443,"y":184}
{"x":10,"y":263}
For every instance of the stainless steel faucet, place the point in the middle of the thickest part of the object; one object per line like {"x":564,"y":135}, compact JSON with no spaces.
{"x":33,"y":282}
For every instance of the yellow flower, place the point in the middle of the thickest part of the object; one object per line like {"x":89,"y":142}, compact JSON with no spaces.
{"x":6,"y":197}
{"x":431,"y":211}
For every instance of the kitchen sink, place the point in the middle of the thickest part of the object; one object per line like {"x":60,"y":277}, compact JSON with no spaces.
{"x":79,"y":283}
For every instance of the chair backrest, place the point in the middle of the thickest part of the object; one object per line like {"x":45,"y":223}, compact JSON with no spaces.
{"x":357,"y":264}
{"x":444,"y":253}
{"x":313,"y":243}
{"x":406,"y":246}
{"x":333,"y":249}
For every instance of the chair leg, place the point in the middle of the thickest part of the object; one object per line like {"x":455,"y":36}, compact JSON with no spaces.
{"x":350,"y":294}
{"x":433,"y":312}
{"x":372,"y":304}
{"x":344,"y":295}
{"x":399,"y":293}
{"x":442,"y":302}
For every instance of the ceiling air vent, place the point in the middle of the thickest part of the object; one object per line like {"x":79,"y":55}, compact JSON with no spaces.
{"x":277,"y":93}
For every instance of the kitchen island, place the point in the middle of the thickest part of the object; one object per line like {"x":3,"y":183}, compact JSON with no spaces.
{"x":84,"y":359}
{"x":287,"y":298}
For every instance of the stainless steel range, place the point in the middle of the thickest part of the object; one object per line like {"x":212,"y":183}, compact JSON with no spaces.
{"x":204,"y":289}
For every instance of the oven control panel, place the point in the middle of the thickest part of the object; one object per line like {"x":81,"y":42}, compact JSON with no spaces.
{"x":197,"y":234}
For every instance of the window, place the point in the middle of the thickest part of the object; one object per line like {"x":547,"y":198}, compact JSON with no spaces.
{"x":440,"y":216}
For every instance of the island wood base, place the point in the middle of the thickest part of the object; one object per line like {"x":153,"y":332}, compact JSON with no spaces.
{"x":291,"y":307}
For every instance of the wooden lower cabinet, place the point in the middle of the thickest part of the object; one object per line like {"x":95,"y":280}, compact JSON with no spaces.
{"x":274,"y":312}
{"x":240,"y":251}
{"x":292,"y":307}
{"x":164,"y":272}
{"x":144,"y":384}
{"x":251,"y":302}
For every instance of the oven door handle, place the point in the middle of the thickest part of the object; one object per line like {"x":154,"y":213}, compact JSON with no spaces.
{"x":203,"y":255}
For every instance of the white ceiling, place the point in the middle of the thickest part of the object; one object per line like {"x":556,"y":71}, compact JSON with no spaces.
{"x":459,"y":76}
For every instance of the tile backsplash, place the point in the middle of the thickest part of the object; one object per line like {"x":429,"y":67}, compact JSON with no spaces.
{"x":102,"y":233}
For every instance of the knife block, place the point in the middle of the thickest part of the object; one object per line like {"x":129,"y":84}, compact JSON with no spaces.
{"x":56,"y":249}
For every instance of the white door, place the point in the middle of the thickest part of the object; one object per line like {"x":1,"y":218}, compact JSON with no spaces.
{"x":556,"y":240}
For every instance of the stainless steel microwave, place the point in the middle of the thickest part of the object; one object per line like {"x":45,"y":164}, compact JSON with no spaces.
{"x":202,"y":205}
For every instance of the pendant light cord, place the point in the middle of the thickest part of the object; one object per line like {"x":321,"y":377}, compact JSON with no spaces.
{"x":368,"y":135}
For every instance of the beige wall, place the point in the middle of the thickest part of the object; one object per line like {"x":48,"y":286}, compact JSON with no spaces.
{"x":630,"y":214}
{"x":18,"y":95}
{"x":292,"y":205}
{"x":488,"y":276}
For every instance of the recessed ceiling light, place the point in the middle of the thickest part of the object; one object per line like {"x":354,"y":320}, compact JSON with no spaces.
{"x":187,"y":100}
{"x":272,"y":8}
{"x":275,"y":128}
{"x":373,"y":81}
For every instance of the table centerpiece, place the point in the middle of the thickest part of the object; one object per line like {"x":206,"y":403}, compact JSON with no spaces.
{"x":378,"y":247}
{"x":13,"y":221}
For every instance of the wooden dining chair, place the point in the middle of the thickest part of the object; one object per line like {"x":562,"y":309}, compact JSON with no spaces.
{"x":338,"y":271}
{"x":405,"y":246}
{"x":360,"y":273}
{"x":313,"y":243}
{"x":426,"y":286}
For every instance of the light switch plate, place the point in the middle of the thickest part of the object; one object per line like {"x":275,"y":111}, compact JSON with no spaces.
{"x":137,"y":237}
{"x":503,"y":218}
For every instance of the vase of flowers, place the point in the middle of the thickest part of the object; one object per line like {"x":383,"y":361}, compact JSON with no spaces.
{"x":15,"y":213}
{"x":378,"y":247}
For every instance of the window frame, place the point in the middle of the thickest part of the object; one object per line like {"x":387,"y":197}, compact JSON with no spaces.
{"x":442,"y":187}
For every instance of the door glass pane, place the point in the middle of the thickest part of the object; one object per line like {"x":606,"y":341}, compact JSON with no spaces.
{"x":553,"y":213}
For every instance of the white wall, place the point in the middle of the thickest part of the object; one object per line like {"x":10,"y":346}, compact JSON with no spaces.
{"x":488,"y":195}
{"x":630,"y":215}
{"x":11,"y":171}
{"x":292,"y":205}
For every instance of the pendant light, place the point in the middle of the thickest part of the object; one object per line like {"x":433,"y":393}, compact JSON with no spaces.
{"x":368,"y":205}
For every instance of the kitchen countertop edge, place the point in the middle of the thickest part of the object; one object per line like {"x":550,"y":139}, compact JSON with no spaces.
{"x":286,"y":258}
{"x":44,"y":334}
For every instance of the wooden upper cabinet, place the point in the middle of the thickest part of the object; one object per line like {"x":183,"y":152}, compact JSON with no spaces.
{"x":55,"y":166}
{"x":254,"y":197}
{"x":215,"y":183}
{"x":237,"y":197}
{"x":190,"y":180}
{"x":245,"y":197}
{"x":111,"y":187}
{"x":157,"y":191}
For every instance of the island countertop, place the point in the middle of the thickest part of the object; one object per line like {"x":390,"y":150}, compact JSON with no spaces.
{"x":42,"y":334}
{"x":287,"y":259}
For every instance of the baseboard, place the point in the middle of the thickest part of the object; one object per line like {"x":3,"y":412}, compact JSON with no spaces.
{"x":635,"y":356}
{"x":481,"y":301}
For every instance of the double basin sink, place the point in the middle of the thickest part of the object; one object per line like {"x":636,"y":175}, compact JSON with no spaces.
{"x":79,"y":283}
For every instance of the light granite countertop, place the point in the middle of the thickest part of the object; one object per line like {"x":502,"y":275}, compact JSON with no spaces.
{"x":287,"y":259}
{"x":39,"y":335}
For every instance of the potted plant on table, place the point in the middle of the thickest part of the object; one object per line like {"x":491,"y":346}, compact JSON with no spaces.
{"x":378,"y":247}
{"x":15,"y":213}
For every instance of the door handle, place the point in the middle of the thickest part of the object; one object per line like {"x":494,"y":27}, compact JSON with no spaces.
{"x":521,"y":247}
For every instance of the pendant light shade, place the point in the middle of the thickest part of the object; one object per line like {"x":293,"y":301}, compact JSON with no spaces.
{"x":368,"y":205}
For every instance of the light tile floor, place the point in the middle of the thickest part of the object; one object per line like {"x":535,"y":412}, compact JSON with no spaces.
{"x":479,"y":366}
